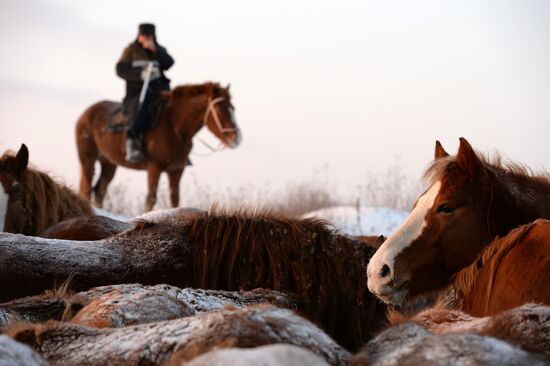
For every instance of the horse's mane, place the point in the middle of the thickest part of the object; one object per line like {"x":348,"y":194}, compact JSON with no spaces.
{"x":464,"y":280}
{"x":495,"y":163}
{"x":304,"y":256}
{"x":44,"y":201}
{"x":194,"y":89}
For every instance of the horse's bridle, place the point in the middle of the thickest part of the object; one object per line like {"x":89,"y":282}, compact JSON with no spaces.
{"x":210,"y":109}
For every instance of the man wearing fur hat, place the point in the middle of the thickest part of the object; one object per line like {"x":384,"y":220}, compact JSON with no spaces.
{"x":134,"y":67}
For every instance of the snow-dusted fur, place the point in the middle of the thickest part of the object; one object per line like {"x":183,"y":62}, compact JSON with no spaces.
{"x":124,"y":305}
{"x":411,"y":344}
{"x":15,"y":353}
{"x":131,"y":304}
{"x":325,"y":270}
{"x":527,"y":326}
{"x":154,"y":343}
{"x":272,"y":355}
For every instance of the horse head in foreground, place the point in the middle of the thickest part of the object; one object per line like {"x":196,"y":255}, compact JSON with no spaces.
{"x":469,"y":202}
{"x":167,"y":145}
{"x":30,"y":201}
{"x":12,"y":169}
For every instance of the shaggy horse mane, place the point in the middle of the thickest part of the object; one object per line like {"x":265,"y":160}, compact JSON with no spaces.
{"x":44,"y":201}
{"x":496,"y":164}
{"x":325,"y":270}
{"x":37,"y":178}
{"x":194,"y":89}
{"x":58,"y":297}
{"x":491,"y":255}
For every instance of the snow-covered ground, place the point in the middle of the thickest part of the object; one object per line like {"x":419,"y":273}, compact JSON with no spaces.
{"x":363,"y":220}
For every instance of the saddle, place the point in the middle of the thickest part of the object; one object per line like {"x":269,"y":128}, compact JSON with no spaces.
{"x":118,"y":121}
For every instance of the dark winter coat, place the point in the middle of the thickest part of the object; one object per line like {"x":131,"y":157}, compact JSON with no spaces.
{"x":132,"y":75}
{"x":124,"y":69}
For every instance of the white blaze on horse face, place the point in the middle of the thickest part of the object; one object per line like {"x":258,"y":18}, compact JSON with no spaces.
{"x":408,"y":232}
{"x":3,"y":207}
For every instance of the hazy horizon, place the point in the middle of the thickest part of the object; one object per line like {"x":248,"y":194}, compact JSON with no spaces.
{"x":348,"y":87}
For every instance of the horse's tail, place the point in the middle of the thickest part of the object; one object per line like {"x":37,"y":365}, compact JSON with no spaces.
{"x":87,"y":148}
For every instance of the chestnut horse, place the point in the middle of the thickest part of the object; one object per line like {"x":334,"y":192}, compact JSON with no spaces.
{"x":167,"y":145}
{"x":470,"y":201}
{"x":30,"y":201}
{"x":512,"y":271}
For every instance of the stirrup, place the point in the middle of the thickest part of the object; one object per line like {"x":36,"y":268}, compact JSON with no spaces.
{"x":135,"y":157}
{"x":133,"y":154}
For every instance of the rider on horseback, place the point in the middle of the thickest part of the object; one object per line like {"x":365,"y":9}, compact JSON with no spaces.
{"x":134,"y":67}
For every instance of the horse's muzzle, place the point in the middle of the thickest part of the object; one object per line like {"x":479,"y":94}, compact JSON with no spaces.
{"x":233,"y":139}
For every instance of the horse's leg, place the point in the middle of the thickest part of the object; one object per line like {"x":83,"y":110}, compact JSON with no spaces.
{"x":86,"y":176}
{"x":87,"y":154}
{"x":107,"y":174}
{"x":174,"y":179}
{"x":153,"y":175}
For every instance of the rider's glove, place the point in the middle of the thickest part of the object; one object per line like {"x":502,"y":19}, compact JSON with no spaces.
{"x":155,"y":73}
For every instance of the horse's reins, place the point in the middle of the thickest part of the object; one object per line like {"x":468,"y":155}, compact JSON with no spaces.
{"x":210,"y":109}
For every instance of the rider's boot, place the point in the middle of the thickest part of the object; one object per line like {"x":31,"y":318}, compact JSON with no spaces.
{"x":134,"y":153}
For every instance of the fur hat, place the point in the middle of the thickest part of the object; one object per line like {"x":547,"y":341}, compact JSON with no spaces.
{"x":147,"y":29}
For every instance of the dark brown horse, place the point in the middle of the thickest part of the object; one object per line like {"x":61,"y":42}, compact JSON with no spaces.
{"x":326,"y":271}
{"x":86,"y":228}
{"x":470,"y":201}
{"x":167,"y":146}
{"x":102,"y":227}
{"x":30,"y":201}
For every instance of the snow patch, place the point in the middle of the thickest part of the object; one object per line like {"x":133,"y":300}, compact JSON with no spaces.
{"x":361,"y":220}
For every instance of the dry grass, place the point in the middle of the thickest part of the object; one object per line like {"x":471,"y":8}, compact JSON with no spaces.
{"x":390,"y":188}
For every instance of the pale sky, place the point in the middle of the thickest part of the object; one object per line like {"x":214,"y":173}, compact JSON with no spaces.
{"x":347,"y":84}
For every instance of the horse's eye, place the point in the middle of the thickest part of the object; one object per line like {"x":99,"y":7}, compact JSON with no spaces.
{"x":443,"y":208}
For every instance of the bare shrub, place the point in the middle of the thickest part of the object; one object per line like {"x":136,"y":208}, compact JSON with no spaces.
{"x":118,"y":200}
{"x":391,"y":188}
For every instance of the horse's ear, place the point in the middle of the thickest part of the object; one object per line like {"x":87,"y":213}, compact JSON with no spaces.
{"x":228,"y":86}
{"x":165,"y":95}
{"x":467,"y":159}
{"x":21,"y":161}
{"x":439,"y":150}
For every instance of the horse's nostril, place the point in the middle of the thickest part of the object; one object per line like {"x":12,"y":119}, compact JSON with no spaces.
{"x":384,"y":271}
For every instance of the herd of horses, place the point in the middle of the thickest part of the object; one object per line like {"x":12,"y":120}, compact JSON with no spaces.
{"x":464,"y":280}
